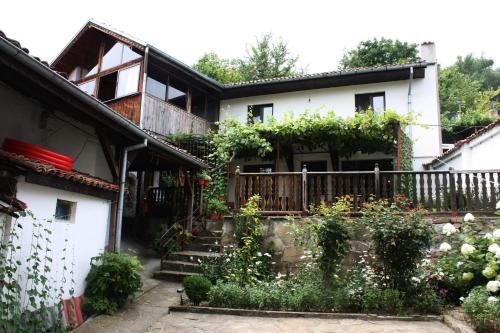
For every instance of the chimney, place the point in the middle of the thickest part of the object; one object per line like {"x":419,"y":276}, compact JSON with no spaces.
{"x":428,"y":52}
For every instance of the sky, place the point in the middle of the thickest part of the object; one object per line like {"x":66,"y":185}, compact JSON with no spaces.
{"x":318,"y":32}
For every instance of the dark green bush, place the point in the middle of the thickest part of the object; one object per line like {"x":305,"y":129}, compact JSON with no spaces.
{"x":228,"y":295}
{"x":385,"y":301}
{"x":197,"y":288}
{"x":112,"y":279}
{"x":428,"y":301}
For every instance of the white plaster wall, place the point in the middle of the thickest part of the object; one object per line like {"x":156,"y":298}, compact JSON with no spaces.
{"x":482,"y":153}
{"x":341,"y":100}
{"x":86,"y":236}
{"x":24,"y":119}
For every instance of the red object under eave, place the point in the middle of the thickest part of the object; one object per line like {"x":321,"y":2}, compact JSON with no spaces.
{"x":38,"y":153}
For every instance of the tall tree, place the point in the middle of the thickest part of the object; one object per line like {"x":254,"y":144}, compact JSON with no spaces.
{"x":268,"y":58}
{"x":222,"y":70}
{"x":480,"y":69}
{"x":375,"y":52}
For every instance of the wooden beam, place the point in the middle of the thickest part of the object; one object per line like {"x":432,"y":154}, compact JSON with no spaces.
{"x":189,"y":100}
{"x":109,"y":155}
{"x":334,"y":156}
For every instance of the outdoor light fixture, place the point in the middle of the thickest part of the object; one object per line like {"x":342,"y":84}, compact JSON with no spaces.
{"x":180,"y":291}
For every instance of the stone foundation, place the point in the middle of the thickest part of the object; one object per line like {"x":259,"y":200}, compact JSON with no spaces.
{"x":286,"y":255}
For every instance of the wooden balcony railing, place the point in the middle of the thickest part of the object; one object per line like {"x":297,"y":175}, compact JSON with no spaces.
{"x":437,"y":191}
{"x":165,"y":118}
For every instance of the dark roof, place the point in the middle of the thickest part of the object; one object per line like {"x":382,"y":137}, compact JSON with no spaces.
{"x":460,"y":143}
{"x":47,"y":169}
{"x":343,"y":77}
{"x":117,"y":119}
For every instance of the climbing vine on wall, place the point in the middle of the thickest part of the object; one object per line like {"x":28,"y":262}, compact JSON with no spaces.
{"x":406,"y":161}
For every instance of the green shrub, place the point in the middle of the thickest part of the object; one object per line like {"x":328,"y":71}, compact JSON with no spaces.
{"x":483,"y":311}
{"x":401,"y":238}
{"x":228,"y":295}
{"x":197,"y":288}
{"x":112,"y":279}
{"x":428,"y":301}
{"x":385,"y":301}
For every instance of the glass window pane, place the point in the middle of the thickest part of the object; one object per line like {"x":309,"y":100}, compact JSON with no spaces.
{"x":156,"y":88}
{"x":88,"y":87}
{"x":128,"y":81}
{"x":113,"y":57}
{"x":174,"y":93}
{"x":267,"y":112}
{"x":129,"y":55}
{"x":378,"y":104}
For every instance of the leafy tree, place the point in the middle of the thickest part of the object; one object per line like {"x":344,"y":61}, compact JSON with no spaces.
{"x":222,"y":70}
{"x":457,"y":91}
{"x":377,"y":52}
{"x":480,"y":69}
{"x":268,"y":59}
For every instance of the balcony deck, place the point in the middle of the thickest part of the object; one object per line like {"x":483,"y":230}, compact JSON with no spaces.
{"x":165,"y":118}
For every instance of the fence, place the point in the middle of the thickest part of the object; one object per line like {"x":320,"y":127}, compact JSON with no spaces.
{"x":437,"y":191}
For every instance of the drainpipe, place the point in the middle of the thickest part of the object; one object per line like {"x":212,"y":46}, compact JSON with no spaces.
{"x":144,"y":78}
{"x":121,"y":194}
{"x":409,"y":100}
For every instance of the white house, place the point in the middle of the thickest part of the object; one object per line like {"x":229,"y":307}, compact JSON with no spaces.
{"x":74,"y":209}
{"x":479,"y":151}
{"x":402,"y":88}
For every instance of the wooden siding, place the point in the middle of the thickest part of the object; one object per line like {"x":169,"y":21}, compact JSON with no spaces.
{"x":129,"y":107}
{"x":164,"y":118}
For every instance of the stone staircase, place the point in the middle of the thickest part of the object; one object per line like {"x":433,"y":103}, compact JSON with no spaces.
{"x":186,"y":262}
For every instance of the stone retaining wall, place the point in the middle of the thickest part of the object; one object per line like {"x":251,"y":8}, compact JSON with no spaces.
{"x":287,"y":255}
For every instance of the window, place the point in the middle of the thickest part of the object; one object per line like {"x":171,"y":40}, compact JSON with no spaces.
{"x":65,"y":211}
{"x":177,"y":95}
{"x":116,"y":55}
{"x":375,"y":101}
{"x":88,"y":87}
{"x":128,"y":81}
{"x":156,"y":88}
{"x":260,"y":113}
{"x":258,"y":168}
{"x":107,"y":87}
{"x":315,"y":166}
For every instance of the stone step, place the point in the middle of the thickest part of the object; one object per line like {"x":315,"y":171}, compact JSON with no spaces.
{"x":202,"y":247}
{"x":190,"y":256}
{"x":206,"y":239}
{"x":181,"y":266}
{"x":172,"y":275}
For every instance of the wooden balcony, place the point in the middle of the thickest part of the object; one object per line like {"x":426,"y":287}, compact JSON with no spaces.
{"x":437,"y":191}
{"x":164,"y":118}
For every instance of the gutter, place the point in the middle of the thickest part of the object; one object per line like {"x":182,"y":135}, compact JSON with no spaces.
{"x":47,"y":73}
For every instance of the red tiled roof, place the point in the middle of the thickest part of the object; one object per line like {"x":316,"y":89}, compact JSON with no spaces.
{"x":47,"y":169}
{"x":464,"y":141}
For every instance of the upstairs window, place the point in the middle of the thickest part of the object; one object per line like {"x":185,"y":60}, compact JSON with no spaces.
{"x":375,"y":101}
{"x":118,"y":84}
{"x":88,"y":87}
{"x":156,"y":88}
{"x":259,"y":113}
{"x":116,"y":54}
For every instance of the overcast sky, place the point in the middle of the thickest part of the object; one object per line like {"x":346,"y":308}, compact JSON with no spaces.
{"x":317,"y":31}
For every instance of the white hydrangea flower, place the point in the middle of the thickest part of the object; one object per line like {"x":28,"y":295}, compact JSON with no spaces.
{"x":449,"y":229}
{"x":258,"y":263}
{"x":259,"y":254}
{"x":488,"y":235}
{"x":444,"y":247}
{"x":267,"y":255}
{"x":494,"y":248}
{"x":462,"y":299}
{"x":493,"y":286}
{"x":469,"y":217}
{"x":467,"y":249}
{"x":415,"y":279}
{"x":496,"y":233}
{"x":492,"y":299}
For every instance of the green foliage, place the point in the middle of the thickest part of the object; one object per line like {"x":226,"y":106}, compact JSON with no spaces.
{"x":30,"y":301}
{"x":197,"y":288}
{"x":480,"y":69}
{"x":386,"y":301}
{"x":217,"y":206}
{"x":268,"y":58}
{"x":366,"y":132}
{"x":175,"y":240}
{"x":112,"y":279}
{"x":401,"y":238}
{"x":406,"y":161}
{"x":483,"y":312}
{"x":370,"y":53}
{"x":221,"y":70}
{"x":426,"y":301}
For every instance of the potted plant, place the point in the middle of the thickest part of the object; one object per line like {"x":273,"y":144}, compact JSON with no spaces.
{"x":216,"y":209}
{"x":204,"y":179}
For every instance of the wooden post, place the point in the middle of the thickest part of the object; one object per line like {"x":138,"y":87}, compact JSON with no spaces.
{"x":453,"y":194}
{"x":376,"y":184}
{"x":189,"y":222}
{"x":304,"y":188}
{"x":237,"y":188}
{"x":189,"y":100}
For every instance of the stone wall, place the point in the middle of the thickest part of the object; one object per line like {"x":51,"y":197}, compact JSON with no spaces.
{"x":287,"y":255}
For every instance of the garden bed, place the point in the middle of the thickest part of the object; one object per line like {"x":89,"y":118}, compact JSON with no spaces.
{"x":296,"y":314}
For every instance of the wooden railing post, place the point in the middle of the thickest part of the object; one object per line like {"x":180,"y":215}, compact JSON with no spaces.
{"x":376,"y":184}
{"x":304,"y":188}
{"x":237,"y":188}
{"x":453,"y":193}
